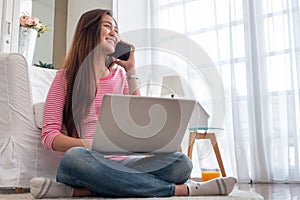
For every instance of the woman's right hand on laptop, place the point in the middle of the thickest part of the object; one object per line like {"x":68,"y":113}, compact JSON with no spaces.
{"x":87,"y":143}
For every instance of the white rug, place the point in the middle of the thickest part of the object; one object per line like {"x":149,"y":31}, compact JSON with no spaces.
{"x":236,"y":194}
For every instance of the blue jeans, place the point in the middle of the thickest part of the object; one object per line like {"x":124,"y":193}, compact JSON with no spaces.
{"x":153,"y":176}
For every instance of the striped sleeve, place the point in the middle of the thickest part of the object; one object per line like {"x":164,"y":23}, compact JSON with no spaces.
{"x":53,"y":110}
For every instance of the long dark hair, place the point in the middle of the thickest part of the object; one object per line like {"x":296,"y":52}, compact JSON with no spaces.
{"x":85,"y":40}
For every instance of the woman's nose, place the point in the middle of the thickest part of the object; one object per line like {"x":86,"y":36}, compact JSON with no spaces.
{"x":113,"y":32}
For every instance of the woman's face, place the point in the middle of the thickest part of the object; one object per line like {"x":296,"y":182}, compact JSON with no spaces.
{"x":109,"y":35}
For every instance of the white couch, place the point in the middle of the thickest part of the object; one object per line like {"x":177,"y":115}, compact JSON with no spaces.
{"x":22,"y":155}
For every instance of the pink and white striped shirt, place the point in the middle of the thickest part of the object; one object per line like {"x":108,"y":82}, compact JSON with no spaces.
{"x":53,"y":110}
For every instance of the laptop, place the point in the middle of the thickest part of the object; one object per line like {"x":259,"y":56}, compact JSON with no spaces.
{"x":130,"y":124}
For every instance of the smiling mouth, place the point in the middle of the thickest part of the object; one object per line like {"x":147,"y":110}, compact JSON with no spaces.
{"x":111,"y":41}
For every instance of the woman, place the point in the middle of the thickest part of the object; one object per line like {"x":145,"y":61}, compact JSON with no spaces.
{"x":73,"y":104}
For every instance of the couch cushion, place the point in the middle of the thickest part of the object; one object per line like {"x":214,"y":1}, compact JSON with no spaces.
{"x":40,"y":80}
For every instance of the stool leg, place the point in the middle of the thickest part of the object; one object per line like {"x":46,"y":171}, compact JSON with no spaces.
{"x":213,"y":141}
{"x":191,"y":144}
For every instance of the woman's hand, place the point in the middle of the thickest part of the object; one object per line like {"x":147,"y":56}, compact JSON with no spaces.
{"x":128,"y":65}
{"x":87,"y":143}
{"x":63,"y":142}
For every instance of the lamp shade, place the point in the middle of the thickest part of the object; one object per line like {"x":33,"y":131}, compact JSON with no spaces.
{"x":199,"y":117}
{"x":171,"y":86}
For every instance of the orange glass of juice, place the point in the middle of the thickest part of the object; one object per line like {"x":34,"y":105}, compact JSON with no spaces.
{"x":208,"y":174}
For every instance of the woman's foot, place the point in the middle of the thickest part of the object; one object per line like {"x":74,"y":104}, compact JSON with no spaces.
{"x":46,"y":188}
{"x":218,"y":186}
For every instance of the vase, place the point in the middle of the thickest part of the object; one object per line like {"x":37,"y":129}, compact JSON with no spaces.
{"x":27,"y":41}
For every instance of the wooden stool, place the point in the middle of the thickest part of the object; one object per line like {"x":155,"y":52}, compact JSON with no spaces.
{"x":212,"y":136}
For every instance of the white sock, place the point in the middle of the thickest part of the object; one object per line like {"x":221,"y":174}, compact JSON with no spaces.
{"x":218,"y":186}
{"x":46,"y":188}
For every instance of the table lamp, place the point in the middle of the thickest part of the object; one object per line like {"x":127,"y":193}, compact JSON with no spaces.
{"x":171,"y":86}
{"x":199,"y":117}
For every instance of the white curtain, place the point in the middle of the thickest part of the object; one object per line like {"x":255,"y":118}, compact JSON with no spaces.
{"x":255,"y":46}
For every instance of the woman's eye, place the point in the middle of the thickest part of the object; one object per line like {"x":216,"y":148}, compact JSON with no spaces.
{"x":110,"y":27}
{"x":107,"y":26}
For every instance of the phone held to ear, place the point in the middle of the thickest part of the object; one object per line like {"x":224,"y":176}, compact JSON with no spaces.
{"x":122,"y":52}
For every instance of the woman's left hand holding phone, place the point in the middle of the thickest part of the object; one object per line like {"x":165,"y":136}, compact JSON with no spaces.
{"x":128,"y":65}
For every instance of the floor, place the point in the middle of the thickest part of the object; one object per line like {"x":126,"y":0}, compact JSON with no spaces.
{"x":274,"y":191}
{"x":268,"y":191}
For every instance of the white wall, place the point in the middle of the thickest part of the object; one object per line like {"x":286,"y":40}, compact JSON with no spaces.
{"x":26,"y":7}
{"x":76,"y":8}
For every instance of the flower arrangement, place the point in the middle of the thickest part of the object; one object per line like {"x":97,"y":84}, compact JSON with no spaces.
{"x":33,"y":23}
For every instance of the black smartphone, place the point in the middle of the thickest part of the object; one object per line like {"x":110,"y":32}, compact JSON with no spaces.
{"x":122,"y":51}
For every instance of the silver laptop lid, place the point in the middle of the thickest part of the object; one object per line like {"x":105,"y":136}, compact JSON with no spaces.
{"x":139,"y":124}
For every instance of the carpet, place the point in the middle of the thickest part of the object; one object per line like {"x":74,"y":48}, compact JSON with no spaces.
{"x":235,"y":195}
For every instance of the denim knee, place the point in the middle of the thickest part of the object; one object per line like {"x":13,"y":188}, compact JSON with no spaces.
{"x":180,"y":170}
{"x":70,"y":159}
{"x":185,"y":164}
{"x":73,"y":154}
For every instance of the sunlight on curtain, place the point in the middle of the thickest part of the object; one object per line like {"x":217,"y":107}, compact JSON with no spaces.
{"x":255,"y":47}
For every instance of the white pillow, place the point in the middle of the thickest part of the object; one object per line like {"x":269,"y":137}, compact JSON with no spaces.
{"x":40,"y":80}
{"x":38,"y":111}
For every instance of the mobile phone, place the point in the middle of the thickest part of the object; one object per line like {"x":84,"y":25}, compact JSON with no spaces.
{"x":122,"y":51}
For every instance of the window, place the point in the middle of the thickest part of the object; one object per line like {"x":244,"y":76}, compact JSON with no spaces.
{"x":255,"y":47}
